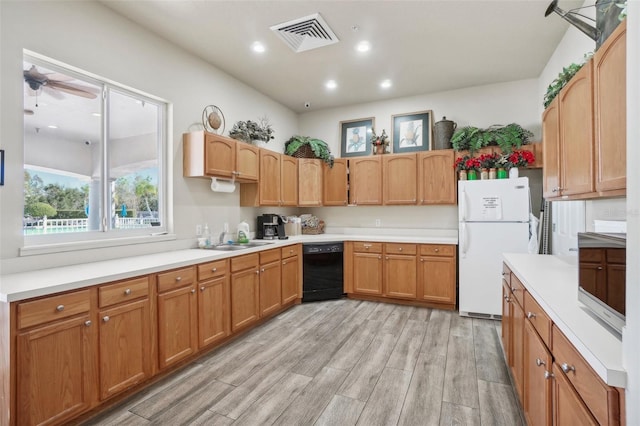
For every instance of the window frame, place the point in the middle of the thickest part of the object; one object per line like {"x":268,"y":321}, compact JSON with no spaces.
{"x":107,"y":236}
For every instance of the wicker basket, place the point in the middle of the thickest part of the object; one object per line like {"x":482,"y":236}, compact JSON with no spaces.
{"x":314,"y":231}
{"x":304,"y":151}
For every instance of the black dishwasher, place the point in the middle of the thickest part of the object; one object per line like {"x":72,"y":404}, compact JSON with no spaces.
{"x":322,"y":273}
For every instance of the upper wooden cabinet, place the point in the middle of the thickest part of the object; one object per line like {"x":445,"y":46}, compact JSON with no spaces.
{"x":310,"y":182}
{"x":278,"y":183}
{"x":365,"y":181}
{"x":436,"y":177}
{"x":209,"y":155}
{"x":335,"y":184}
{"x":399,"y":179}
{"x":609,"y":93}
{"x":584,"y":128}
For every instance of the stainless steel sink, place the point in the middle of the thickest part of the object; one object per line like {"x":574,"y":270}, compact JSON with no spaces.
{"x":253,"y":244}
{"x":238,"y":246}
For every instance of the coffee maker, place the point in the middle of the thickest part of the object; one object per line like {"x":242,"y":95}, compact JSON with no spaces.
{"x":270,"y":227}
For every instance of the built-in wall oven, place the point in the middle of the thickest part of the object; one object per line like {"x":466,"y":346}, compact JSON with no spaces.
{"x":602,"y":276}
{"x":322,"y":271}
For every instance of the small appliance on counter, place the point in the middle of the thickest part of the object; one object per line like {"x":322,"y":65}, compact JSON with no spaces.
{"x":270,"y":227}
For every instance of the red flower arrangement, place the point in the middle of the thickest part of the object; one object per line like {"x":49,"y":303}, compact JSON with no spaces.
{"x":466,"y":163}
{"x":489,"y":161}
{"x":520,"y":159}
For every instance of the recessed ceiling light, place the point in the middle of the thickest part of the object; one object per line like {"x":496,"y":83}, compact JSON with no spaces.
{"x":52,"y":126}
{"x":258,"y":47}
{"x":96,"y":114}
{"x":363,"y":46}
{"x":331,"y":84}
{"x":385,"y":84}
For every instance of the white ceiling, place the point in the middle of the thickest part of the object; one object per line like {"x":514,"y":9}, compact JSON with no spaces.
{"x":422,"y":46}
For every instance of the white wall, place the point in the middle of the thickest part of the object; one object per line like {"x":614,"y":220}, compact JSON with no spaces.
{"x":89,"y":36}
{"x":631,"y":336}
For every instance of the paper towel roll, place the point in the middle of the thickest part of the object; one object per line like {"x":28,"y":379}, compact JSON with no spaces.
{"x":222,"y":185}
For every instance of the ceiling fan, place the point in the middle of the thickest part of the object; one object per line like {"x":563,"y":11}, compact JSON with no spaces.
{"x":37,"y":80}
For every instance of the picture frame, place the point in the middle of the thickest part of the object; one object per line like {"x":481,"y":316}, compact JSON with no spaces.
{"x":1,"y":167}
{"x":412,"y":131}
{"x":355,"y":137}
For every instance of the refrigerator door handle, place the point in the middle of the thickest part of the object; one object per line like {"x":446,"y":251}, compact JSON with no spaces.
{"x":463,"y":239}
{"x":463,"y":205}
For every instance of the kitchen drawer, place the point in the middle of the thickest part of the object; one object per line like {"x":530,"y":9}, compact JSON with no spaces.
{"x":398,"y":248}
{"x":506,"y":274}
{"x":437,"y":250}
{"x":123,"y":291}
{"x":366,"y":247}
{"x":617,"y":256}
{"x":269,"y":256}
{"x":595,"y":255}
{"x":538,"y":318}
{"x":601,"y":399}
{"x":176,"y":278}
{"x":210,"y":270}
{"x":247,"y":261}
{"x":289,"y":251}
{"x":52,"y":308}
{"x":518,"y":289}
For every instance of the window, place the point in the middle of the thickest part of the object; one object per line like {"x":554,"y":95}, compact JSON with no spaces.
{"x":93,"y":157}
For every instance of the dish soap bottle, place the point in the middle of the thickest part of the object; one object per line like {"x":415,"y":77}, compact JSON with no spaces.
{"x":206,"y":235}
{"x":243,"y":233}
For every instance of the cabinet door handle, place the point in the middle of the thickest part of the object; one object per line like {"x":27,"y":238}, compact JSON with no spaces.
{"x":422,"y":259}
{"x":548,"y":375}
{"x":540,"y":362}
{"x":258,"y":272}
{"x":262,"y":270}
{"x":105,"y":318}
{"x":87,"y":323}
{"x":386,"y":258}
{"x":178,"y":279}
{"x":127,"y":292}
{"x":513,"y":289}
{"x":202,"y":288}
{"x":566,"y":367}
{"x":60,"y":308}
{"x":531,"y":315}
{"x":193,"y":290}
{"x":379,"y":256}
{"x":214,"y":270}
{"x":284,"y":262}
{"x":599,"y":268}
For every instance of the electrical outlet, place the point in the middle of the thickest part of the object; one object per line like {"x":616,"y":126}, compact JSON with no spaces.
{"x":198,"y":230}
{"x":378,"y":223}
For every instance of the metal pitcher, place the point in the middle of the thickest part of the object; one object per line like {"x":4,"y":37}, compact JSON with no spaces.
{"x":443,"y":130}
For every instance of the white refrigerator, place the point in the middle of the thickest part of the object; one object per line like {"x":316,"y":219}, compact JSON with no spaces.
{"x":493,"y":219}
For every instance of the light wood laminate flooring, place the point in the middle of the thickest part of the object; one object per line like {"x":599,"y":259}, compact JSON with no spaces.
{"x":341,"y":362}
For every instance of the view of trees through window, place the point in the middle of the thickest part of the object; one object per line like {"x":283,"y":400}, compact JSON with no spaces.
{"x":92,"y":154}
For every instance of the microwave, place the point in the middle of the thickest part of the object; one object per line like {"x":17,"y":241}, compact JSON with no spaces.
{"x":601,"y":276}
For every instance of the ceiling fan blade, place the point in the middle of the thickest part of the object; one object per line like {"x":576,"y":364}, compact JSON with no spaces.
{"x":58,"y":77}
{"x":85,"y":92}
{"x":54,"y":93}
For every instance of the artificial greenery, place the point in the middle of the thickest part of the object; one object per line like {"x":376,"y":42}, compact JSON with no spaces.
{"x":250,"y":131}
{"x":562,"y":80}
{"x":319,"y":147}
{"x":506,"y":137}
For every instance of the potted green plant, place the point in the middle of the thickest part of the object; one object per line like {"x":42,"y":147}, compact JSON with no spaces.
{"x":506,"y":137}
{"x":250,"y":131}
{"x":307,"y":147}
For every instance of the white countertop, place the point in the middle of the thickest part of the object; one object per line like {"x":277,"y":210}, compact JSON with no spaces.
{"x":25,"y":285}
{"x":553,"y":282}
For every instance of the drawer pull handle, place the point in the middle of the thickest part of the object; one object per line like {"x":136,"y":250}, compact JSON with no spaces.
{"x":540,"y":362}
{"x":531,"y":315}
{"x":367,"y":246}
{"x":178,"y":278}
{"x":105,"y":318}
{"x":399,"y":248}
{"x":60,"y":308}
{"x":127,"y":292}
{"x":87,"y":323}
{"x":437,"y":250}
{"x":599,"y":268}
{"x":214,"y":270}
{"x":566,"y":367}
{"x":548,"y":375}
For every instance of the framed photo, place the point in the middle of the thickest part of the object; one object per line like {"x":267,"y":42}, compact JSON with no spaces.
{"x":412,"y":132}
{"x":1,"y":166}
{"x":355,"y":137}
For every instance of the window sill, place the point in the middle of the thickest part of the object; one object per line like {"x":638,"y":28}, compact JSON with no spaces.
{"x":95,"y":244}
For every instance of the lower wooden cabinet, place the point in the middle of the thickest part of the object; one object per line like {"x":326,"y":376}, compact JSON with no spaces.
{"x":568,"y":407}
{"x":213,"y":310}
{"x":55,"y":371}
{"x":177,"y":325}
{"x":517,"y":344}
{"x":270,"y":284}
{"x":245,"y":280}
{"x":125,"y":346}
{"x":290,"y":275}
{"x":537,"y":379}
{"x":420,"y":273}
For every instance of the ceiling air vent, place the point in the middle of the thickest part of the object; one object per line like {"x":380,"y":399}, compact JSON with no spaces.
{"x":305,"y":33}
